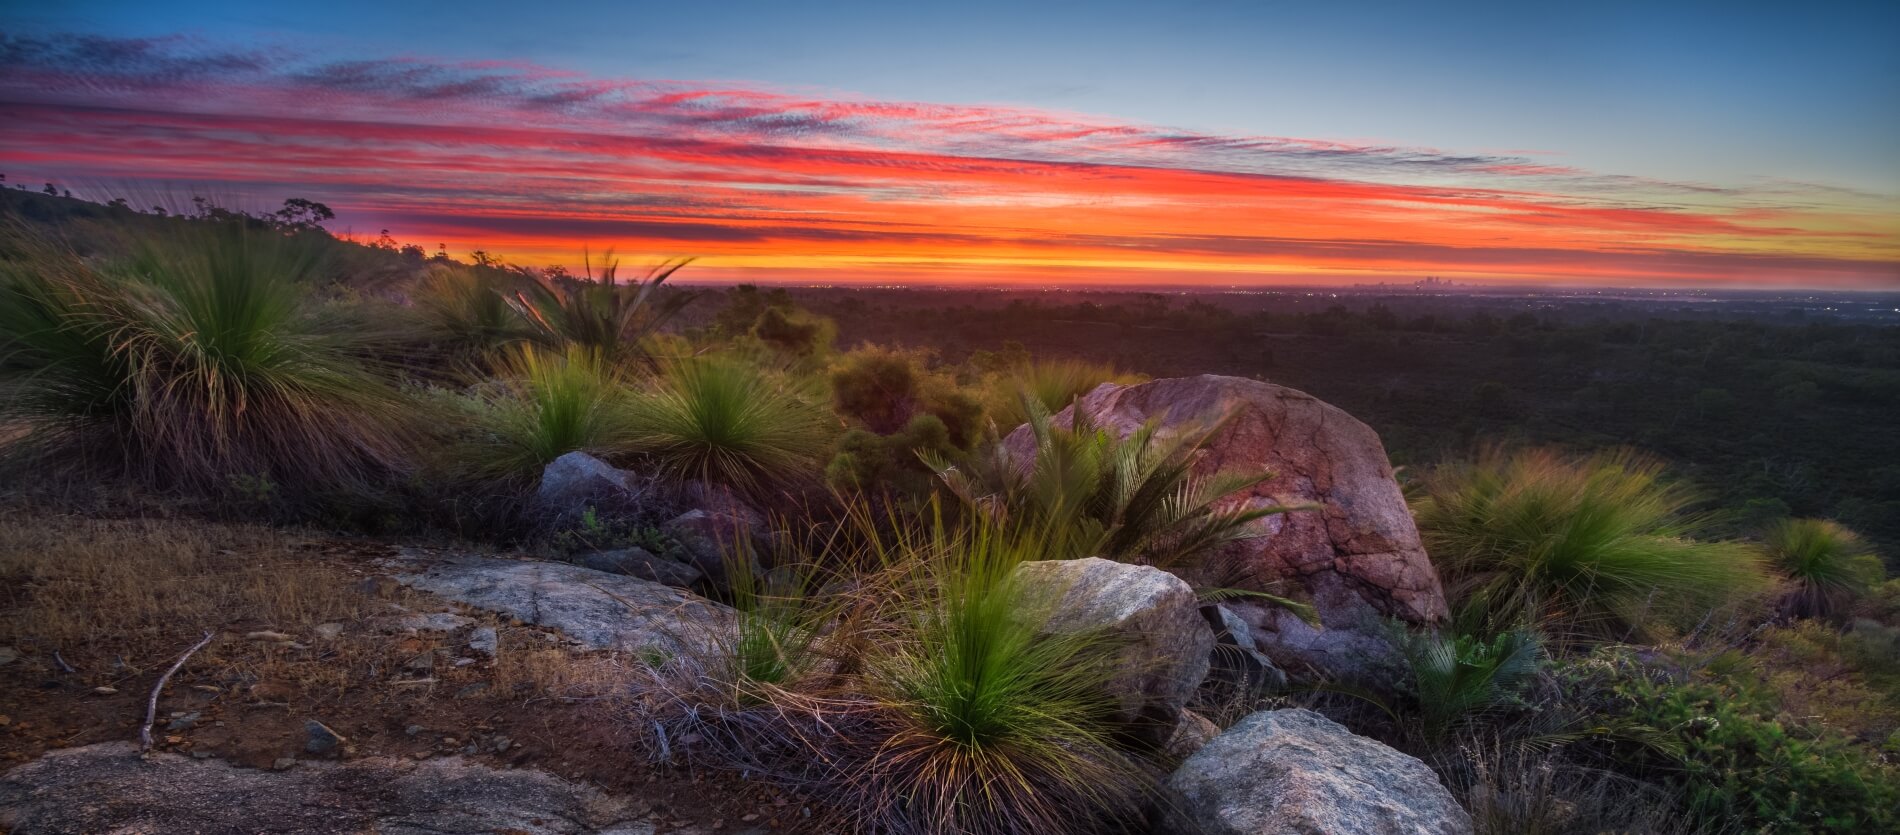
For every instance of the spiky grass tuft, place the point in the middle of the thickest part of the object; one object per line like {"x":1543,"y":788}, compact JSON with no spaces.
{"x":732,"y":424}
{"x":1829,"y":565}
{"x":1053,"y":384}
{"x":1584,"y":548}
{"x":200,"y":360}
{"x":545,"y":404}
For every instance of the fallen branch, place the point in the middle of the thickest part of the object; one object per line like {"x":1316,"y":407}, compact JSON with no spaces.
{"x":151,"y":705}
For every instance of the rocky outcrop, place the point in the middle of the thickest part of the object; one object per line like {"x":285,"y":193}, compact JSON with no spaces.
{"x":1150,"y":617}
{"x":1356,"y":558}
{"x":1295,"y":772}
{"x":110,"y":788}
{"x":641,"y":563}
{"x":602,"y":611}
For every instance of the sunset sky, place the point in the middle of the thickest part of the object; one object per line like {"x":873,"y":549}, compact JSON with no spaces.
{"x":1249,"y":143}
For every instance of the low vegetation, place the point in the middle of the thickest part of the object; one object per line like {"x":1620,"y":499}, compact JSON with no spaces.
{"x":1619,"y":657}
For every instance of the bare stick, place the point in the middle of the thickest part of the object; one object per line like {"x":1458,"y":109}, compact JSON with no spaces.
{"x":151,"y":705}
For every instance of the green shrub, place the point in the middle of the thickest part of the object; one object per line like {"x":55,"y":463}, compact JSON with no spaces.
{"x":884,"y":390}
{"x":867,"y":460}
{"x":467,"y":313}
{"x":1456,"y":679}
{"x":200,"y":359}
{"x":1734,"y":759}
{"x":730,"y":423}
{"x":1132,"y":499}
{"x":994,"y":728}
{"x":1053,"y":384}
{"x":1593,"y":547}
{"x":1830,"y":566}
{"x":605,"y":316}
{"x":543,"y":405}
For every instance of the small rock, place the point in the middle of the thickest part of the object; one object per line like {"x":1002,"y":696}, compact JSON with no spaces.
{"x":283,"y":763}
{"x":422,"y":755}
{"x":463,"y":662}
{"x":434,"y":622}
{"x":1192,"y":732}
{"x":8,"y":655}
{"x":5,"y":720}
{"x":184,"y":722}
{"x":319,"y":739}
{"x":106,"y":691}
{"x":381,"y":585}
{"x":500,"y":743}
{"x":484,"y":640}
{"x":267,"y":635}
{"x":202,"y":755}
{"x":412,"y":730}
{"x":638,"y":562}
{"x":329,"y":631}
{"x":472,"y":690}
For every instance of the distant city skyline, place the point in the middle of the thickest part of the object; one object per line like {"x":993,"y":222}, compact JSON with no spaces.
{"x":1731,"y":145}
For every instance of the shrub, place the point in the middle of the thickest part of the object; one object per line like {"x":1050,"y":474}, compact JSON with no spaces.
{"x":1053,"y":384}
{"x":884,"y":390}
{"x":992,"y":727}
{"x":1594,"y":547}
{"x":610,"y":318}
{"x":729,"y":423}
{"x":199,"y":360}
{"x":1131,"y":499}
{"x":466,"y":312}
{"x":1830,"y":566}
{"x":1734,"y":760}
{"x":1455,"y":679}
{"x":867,"y":460}
{"x":543,"y":405}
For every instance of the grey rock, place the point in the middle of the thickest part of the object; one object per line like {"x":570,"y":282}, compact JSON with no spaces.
{"x":433,"y":622}
{"x":1161,"y":644}
{"x":485,"y":640}
{"x":109,"y":788}
{"x":1237,"y":658}
{"x":711,"y":540}
{"x":319,"y":739}
{"x":1190,"y":733}
{"x":184,"y":722}
{"x":283,"y":763}
{"x":8,"y":655}
{"x":329,"y":631}
{"x":576,"y":480}
{"x":638,"y":562}
{"x":600,"y":611}
{"x":1295,"y":772}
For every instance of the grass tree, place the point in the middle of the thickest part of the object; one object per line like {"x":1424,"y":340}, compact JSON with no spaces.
{"x":603,"y":314}
{"x":730,"y":423}
{"x":1597,"y":547}
{"x":541,"y":405}
{"x":1828,"y":565}
{"x":200,"y":359}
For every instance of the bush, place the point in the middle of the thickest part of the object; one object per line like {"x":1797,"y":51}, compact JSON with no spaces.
{"x":994,"y":728}
{"x":1053,"y":384}
{"x":867,"y":460}
{"x":1132,"y":499}
{"x":200,"y":360}
{"x":1586,"y":548}
{"x":729,"y":423}
{"x":543,"y":405}
{"x":884,"y":390}
{"x":1830,"y":566}
{"x":466,"y":312}
{"x":609,"y":318}
{"x":1734,"y":760}
{"x":1457,"y":679}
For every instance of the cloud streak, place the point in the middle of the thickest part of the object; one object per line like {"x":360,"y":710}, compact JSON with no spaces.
{"x":538,"y":164}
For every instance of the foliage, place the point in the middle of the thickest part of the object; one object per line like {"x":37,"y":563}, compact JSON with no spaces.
{"x":996,"y":729}
{"x":201,"y":358}
{"x":466,"y":312}
{"x":1455,"y":679}
{"x":1734,"y":758}
{"x":729,"y":423}
{"x":603,"y":315}
{"x":1051,"y":384}
{"x":885,"y":390}
{"x":1829,"y":564}
{"x":867,"y":460}
{"x":1594,"y":547}
{"x":1133,"y":499}
{"x":544,"y":405}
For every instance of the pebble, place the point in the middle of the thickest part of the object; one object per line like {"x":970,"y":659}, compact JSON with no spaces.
{"x":329,"y":631}
{"x":472,"y":690}
{"x":283,"y":763}
{"x":105,"y":691}
{"x":184,"y":721}
{"x":8,"y":655}
{"x":201,"y":755}
{"x":412,"y":730}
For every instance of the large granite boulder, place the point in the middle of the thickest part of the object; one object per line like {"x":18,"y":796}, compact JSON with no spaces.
{"x":1356,"y":558}
{"x":1295,"y":772}
{"x":1160,"y":642}
{"x":108,"y":787}
{"x":576,"y":481}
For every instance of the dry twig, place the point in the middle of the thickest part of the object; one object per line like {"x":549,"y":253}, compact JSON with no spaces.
{"x":151,"y":704}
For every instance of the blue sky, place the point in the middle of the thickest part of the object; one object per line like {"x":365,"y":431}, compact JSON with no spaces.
{"x":1685,"y":91}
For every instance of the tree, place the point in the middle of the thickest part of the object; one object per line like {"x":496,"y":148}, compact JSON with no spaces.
{"x":299,"y":214}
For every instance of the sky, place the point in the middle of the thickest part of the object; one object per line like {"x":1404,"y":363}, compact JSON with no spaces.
{"x":1231,"y":144}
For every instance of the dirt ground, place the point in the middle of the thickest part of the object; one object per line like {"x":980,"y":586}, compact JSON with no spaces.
{"x":307,"y":630}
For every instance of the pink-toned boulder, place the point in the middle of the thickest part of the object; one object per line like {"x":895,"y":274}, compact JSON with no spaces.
{"x":1356,"y":558}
